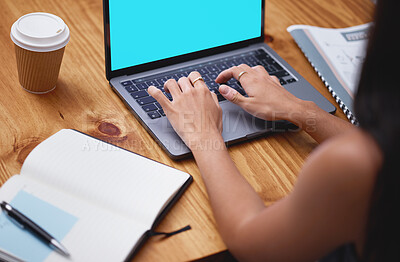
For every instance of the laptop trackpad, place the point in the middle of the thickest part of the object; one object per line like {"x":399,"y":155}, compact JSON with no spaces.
{"x":239,"y":124}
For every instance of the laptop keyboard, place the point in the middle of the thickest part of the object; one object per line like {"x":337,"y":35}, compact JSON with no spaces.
{"x":209,"y":71}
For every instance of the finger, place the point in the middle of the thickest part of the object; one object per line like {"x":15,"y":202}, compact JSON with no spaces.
{"x":260,"y":69}
{"x":214,"y":96}
{"x":185,"y":84}
{"x":159,"y":96}
{"x":172,"y":87}
{"x":234,"y":72}
{"x":225,"y":75}
{"x":232,"y":95}
{"x":276,"y":80}
{"x":245,"y":67}
{"x":244,"y":72}
{"x":198,"y":83}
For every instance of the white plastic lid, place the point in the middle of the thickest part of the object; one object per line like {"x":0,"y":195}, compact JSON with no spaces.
{"x":40,"y":32}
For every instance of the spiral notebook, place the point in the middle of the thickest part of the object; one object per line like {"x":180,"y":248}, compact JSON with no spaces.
{"x":337,"y":56}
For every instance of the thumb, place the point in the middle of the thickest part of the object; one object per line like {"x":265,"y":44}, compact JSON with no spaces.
{"x":231,"y":94}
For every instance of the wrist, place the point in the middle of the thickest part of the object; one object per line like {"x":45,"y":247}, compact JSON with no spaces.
{"x":302,"y":113}
{"x":207,"y":143}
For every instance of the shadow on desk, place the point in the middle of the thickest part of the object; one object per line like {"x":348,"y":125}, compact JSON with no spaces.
{"x":224,"y":256}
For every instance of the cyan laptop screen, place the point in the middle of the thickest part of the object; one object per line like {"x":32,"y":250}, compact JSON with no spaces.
{"x":150,"y":30}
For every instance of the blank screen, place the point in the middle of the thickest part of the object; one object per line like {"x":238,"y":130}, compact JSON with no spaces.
{"x":150,"y":30}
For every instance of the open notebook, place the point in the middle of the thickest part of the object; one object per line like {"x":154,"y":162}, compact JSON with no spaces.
{"x":98,"y":200}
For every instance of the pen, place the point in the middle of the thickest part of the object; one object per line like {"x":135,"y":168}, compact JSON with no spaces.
{"x":25,"y":222}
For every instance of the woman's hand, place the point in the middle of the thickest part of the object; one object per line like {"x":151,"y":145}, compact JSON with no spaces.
{"x":267,"y":99}
{"x":194,"y":112}
{"x":270,"y":101}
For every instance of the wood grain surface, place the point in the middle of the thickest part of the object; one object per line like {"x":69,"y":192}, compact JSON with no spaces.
{"x":83,"y":100}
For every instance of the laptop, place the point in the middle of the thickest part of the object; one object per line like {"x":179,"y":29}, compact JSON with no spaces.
{"x":149,"y":42}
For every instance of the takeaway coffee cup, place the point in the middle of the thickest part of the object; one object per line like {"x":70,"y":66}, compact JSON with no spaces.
{"x":40,"y":40}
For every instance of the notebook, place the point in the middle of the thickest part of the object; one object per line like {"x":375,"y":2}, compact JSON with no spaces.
{"x":337,"y":56}
{"x":98,"y":200}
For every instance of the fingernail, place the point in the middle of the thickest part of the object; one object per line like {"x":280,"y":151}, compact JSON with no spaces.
{"x":150,"y":89}
{"x":227,"y":92}
{"x":223,"y":89}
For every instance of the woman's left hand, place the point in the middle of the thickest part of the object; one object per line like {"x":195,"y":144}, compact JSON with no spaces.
{"x":194,"y":112}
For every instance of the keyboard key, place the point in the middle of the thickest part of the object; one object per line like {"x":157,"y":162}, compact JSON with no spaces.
{"x":131,"y":89}
{"x":154,"y":115}
{"x":168,"y":95}
{"x":149,"y":107}
{"x":239,"y":61}
{"x":265,"y":62}
{"x":235,"y":85}
{"x":212,"y":84}
{"x":146,"y":100}
{"x":179,"y":75}
{"x":270,"y":69}
{"x":139,"y":94}
{"x":220,"y":98}
{"x":241,"y":91}
{"x":213,"y":76}
{"x":152,"y":83}
{"x":251,"y":64}
{"x":158,"y":105}
{"x":264,"y":56}
{"x":276,"y":65}
{"x":282,"y":81}
{"x":222,"y":66}
{"x":231,"y":81}
{"x":280,"y":73}
{"x":251,"y":59}
{"x":161,"y":112}
{"x":206,"y":78}
{"x":212,"y":68}
{"x":141,"y":86}
{"x":203,"y":71}
{"x":291,"y":80}
{"x":213,"y":89}
{"x":126,"y":83}
{"x":231,"y":63}
{"x":260,"y":51}
{"x":162,"y":80}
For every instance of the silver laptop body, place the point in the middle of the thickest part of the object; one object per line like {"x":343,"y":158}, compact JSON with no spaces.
{"x":238,"y":125}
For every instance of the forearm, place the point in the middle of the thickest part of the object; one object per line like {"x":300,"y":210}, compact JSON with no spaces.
{"x":316,"y":122}
{"x":232,"y":199}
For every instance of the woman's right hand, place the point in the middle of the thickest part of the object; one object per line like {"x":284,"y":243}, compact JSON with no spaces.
{"x":267,"y":99}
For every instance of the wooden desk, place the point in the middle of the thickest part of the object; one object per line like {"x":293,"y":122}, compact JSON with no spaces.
{"x":83,"y":100}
